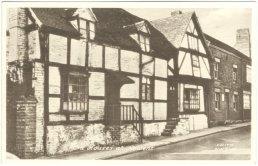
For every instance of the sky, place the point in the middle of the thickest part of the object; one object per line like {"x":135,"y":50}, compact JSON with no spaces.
{"x":220,"y":23}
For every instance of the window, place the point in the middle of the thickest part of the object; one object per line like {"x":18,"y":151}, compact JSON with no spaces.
{"x":234,"y":73}
{"x":195,"y":61}
{"x":216,"y":68}
{"x":87,"y":29}
{"x":147,"y":89}
{"x":217,"y":101}
{"x":248,"y":74}
{"x":191,"y":99}
{"x":247,"y":100}
{"x":75,"y":93}
{"x":235,"y":102}
{"x":144,"y":42}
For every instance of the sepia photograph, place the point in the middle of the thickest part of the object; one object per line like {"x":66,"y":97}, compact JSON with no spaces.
{"x":125,"y":83}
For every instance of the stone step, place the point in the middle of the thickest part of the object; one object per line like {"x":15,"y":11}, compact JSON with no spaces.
{"x":168,"y":130}
{"x":172,"y":123}
{"x":170,"y":126}
{"x":166,"y":133}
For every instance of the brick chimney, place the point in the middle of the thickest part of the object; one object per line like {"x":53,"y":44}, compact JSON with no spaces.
{"x":17,"y":39}
{"x":243,"y":43}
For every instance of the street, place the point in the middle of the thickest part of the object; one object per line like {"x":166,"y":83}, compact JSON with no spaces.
{"x":230,"y":145}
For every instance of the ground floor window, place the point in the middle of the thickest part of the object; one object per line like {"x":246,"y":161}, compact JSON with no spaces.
{"x":75,"y":92}
{"x":247,"y":101}
{"x":217,"y":101}
{"x":191,"y":99}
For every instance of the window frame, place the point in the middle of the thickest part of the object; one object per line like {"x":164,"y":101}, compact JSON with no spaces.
{"x":65,"y":94}
{"x":196,"y":100}
{"x":217,"y":100}
{"x":145,"y":37}
{"x":147,"y":88}
{"x":88,"y":29}
{"x":216,"y":70}
{"x":234,"y":74}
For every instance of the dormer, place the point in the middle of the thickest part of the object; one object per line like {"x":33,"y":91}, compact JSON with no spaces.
{"x":141,"y":34}
{"x":84,"y":20}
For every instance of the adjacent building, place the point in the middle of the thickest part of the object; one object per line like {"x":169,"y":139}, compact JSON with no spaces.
{"x":231,"y":87}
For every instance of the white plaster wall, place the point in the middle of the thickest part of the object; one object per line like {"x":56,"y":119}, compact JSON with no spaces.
{"x":78,"y":52}
{"x":147,"y":69}
{"x":160,"y":111}
{"x":96,"y":109}
{"x":147,"y":110}
{"x":97,"y":84}
{"x":95,"y":55}
{"x":160,"y":68}
{"x":160,"y":90}
{"x":111,"y":58}
{"x":130,"y":61}
{"x":57,"y":49}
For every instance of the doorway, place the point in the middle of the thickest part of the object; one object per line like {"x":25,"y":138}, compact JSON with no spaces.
{"x":172,"y":102}
{"x":113,"y":83}
{"x":227,"y":106}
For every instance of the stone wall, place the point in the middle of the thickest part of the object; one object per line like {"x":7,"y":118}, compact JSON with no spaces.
{"x":68,"y":138}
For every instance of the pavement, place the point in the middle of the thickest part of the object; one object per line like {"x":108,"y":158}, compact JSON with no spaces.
{"x":148,"y":144}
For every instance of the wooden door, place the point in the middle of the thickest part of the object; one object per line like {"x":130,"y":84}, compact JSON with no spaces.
{"x":172,"y":102}
{"x":227,"y":106}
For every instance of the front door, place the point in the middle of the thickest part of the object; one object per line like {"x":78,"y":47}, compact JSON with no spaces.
{"x":227,"y":106}
{"x":112,"y":110}
{"x":172,"y":102}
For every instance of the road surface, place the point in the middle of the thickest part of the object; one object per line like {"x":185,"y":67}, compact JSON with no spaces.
{"x":229,"y":145}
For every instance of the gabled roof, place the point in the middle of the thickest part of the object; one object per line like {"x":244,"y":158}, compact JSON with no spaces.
{"x":109,"y":28}
{"x":226,"y":47}
{"x":173,"y":27}
{"x":55,"y":18}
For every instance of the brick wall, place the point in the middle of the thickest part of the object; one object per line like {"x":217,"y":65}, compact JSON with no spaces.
{"x":26,"y":127}
{"x":38,"y":85}
{"x":225,"y":81}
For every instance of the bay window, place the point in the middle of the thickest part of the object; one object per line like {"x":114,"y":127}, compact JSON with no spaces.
{"x":87,"y":28}
{"x":144,"y":42}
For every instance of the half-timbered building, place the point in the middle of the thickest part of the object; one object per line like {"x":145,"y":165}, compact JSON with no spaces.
{"x":103,"y":77}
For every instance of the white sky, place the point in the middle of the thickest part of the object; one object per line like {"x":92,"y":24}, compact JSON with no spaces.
{"x":220,"y":23}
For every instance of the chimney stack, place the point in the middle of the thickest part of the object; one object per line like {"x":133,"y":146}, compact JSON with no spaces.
{"x":176,"y":12}
{"x":243,"y":43}
{"x":17,"y":39}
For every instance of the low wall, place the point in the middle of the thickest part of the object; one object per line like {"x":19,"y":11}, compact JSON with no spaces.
{"x":68,"y":138}
{"x":153,"y":129}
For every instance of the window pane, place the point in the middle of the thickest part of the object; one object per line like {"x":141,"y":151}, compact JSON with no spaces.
{"x":82,"y":24}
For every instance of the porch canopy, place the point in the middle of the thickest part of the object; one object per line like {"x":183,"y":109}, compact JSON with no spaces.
{"x":119,"y":77}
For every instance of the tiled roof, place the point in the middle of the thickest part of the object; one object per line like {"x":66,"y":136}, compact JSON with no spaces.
{"x":54,"y":18}
{"x":224,"y":46}
{"x":109,"y":28}
{"x":173,"y":27}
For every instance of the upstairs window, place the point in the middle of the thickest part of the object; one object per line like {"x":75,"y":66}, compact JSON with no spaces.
{"x":144,"y":42}
{"x":234,"y":73}
{"x":216,"y":68}
{"x":147,"y":88}
{"x":191,"y":99}
{"x":87,"y":29}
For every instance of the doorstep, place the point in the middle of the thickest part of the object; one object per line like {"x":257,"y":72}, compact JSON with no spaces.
{"x":148,"y":144}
